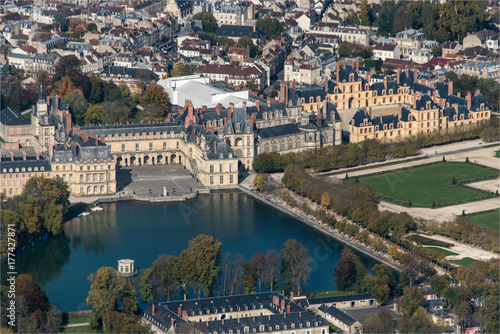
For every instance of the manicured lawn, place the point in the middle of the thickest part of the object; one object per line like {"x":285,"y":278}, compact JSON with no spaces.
{"x":79,"y":329}
{"x":464,"y":262}
{"x":375,"y":166}
{"x":423,"y":184}
{"x":78,"y":320}
{"x":443,"y":251}
{"x":331,"y":294}
{"x":488,"y":219}
{"x":428,"y":241}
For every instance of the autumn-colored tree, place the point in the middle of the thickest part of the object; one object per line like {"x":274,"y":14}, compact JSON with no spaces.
{"x":156,"y":95}
{"x":260,"y":181}
{"x":180,"y":70}
{"x":63,"y":87}
{"x":95,"y":115}
{"x":326,"y":199}
{"x":412,"y":299}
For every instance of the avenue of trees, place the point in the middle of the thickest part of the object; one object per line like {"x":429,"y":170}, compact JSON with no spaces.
{"x":34,"y":313}
{"x":451,"y":20}
{"x":38,"y":210}
{"x":202,"y":270}
{"x":327,"y":158}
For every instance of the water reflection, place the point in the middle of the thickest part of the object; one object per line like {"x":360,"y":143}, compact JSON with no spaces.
{"x":44,"y":260}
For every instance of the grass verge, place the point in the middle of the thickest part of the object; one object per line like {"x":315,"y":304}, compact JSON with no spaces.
{"x":466,"y":261}
{"x":331,"y":294}
{"x":354,"y":169}
{"x":428,"y":241}
{"x":489,"y":219}
{"x":445,"y":252}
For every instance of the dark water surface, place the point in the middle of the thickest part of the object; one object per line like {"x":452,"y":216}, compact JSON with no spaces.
{"x":142,"y":231}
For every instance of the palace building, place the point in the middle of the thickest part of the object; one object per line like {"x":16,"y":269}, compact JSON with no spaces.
{"x":218,"y":141}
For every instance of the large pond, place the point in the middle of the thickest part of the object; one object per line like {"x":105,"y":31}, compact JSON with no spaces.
{"x":142,"y":231}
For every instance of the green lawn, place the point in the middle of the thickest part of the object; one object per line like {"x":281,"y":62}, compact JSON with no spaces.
{"x":424,"y":184}
{"x":464,"y":262}
{"x":79,"y":329}
{"x":428,"y":241}
{"x":78,"y":320}
{"x":354,"y":169}
{"x":331,"y":294}
{"x":497,"y":154}
{"x":443,"y":251}
{"x":487,"y":219}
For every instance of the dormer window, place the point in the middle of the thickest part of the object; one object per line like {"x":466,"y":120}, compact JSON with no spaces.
{"x":17,"y":170}
{"x":29,"y":169}
{"x":23,"y":169}
{"x":428,"y":104}
{"x":36,"y":169}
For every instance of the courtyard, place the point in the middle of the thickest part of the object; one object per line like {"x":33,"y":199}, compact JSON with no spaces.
{"x":151,"y":180}
{"x":427,"y":184}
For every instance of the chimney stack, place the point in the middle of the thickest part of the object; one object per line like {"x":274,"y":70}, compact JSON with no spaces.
{"x":337,"y":72}
{"x":37,"y":156}
{"x":269,"y":102}
{"x":172,"y":321}
{"x":326,"y":83}
{"x":185,"y":315}
{"x":357,"y":67}
{"x":218,"y":108}
{"x":153,"y":310}
{"x":215,"y":146}
{"x":450,"y":87}
{"x":414,"y":101}
{"x":468,"y":100}
{"x":257,"y":104}
{"x":368,"y":78}
{"x":12,"y":156}
{"x":179,"y":311}
{"x":24,"y":155}
{"x":288,"y":308}
{"x":459,"y":94}
{"x":282,"y":304}
{"x":282,"y":91}
{"x":397,"y":76}
{"x":385,"y":83}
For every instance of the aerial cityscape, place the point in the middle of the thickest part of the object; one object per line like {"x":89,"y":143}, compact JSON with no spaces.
{"x":250,"y":166}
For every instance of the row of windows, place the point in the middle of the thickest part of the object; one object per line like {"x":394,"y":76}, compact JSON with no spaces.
{"x":221,"y":168}
{"x":137,"y":147}
{"x":221,"y":179}
{"x":23,"y":169}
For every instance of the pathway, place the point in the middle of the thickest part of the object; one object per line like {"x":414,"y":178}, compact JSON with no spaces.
{"x":78,"y":324}
{"x":463,"y":249}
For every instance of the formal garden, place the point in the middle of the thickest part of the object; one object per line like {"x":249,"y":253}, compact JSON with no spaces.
{"x":432,"y":185}
{"x":490,"y":218}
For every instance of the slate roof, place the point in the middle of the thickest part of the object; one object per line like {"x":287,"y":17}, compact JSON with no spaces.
{"x":10,"y":117}
{"x":133,"y":128}
{"x":237,"y":31}
{"x":338,"y":314}
{"x":278,"y":131}
{"x":134,"y":73}
{"x":20,"y":163}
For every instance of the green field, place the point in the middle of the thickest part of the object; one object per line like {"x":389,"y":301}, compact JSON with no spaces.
{"x":428,"y":241}
{"x":487,"y":219}
{"x":464,"y":262}
{"x":424,"y":184}
{"x":445,"y":252}
{"x":78,"y":320}
{"x":79,"y":329}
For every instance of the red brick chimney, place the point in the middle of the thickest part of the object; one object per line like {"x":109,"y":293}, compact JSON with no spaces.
{"x":282,"y":304}
{"x":385,"y":82}
{"x":320,"y":118}
{"x":185,"y":315}
{"x":269,"y":102}
{"x":257,"y":104}
{"x":288,"y":308}
{"x":397,"y":76}
{"x":450,"y":87}
{"x":357,"y":67}
{"x":468,"y":100}
{"x":37,"y":156}
{"x":326,"y":83}
{"x":414,"y":101}
{"x":368,"y":78}
{"x":218,"y":108}
{"x":172,"y":321}
{"x":215,"y":146}
{"x":282,"y":91}
{"x":415,"y":73}
{"x":254,"y":120}
{"x":24,"y":155}
{"x":179,"y":311}
{"x":12,"y":156}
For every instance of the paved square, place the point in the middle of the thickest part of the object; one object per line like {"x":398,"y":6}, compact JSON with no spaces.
{"x":143,"y":179}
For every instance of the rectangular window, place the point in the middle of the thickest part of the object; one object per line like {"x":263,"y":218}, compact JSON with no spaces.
{"x":150,"y":146}
{"x":211,"y":169}
{"x":221,"y":179}
{"x":231,"y":168}
{"x":230,"y":178}
{"x":164,"y":146}
{"x":211,"y":180}
{"x":123,"y":148}
{"x":221,"y":168}
{"x":137,"y":147}
{"x":177,"y":145}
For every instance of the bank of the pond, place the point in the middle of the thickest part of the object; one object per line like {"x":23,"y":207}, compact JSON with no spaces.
{"x":327,"y":230}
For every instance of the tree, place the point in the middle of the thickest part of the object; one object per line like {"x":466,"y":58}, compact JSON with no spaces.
{"x":385,"y":17}
{"x":259,"y":263}
{"x":180,"y":70}
{"x":96,"y":86}
{"x":437,"y":51}
{"x":460,"y":17}
{"x":490,"y":313}
{"x":165,"y":276}
{"x":353,"y":18}
{"x":146,"y":285}
{"x":296,"y":265}
{"x":77,"y":105}
{"x":439,"y":283}
{"x":271,"y":273}
{"x":61,"y":22}
{"x":156,"y":95}
{"x":118,"y":111}
{"x":95,"y":115}
{"x":104,"y":296}
{"x":364,"y":15}
{"x":64,"y":87}
{"x":403,"y":18}
{"x":201,"y":261}
{"x":260,"y":181}
{"x":345,"y":273}
{"x":420,"y":322}
{"x":111,"y":91}
{"x":208,"y":20}
{"x":68,"y":66}
{"x":373,"y":324}
{"x":269,"y":26}
{"x":412,"y":299}
{"x":92,"y":27}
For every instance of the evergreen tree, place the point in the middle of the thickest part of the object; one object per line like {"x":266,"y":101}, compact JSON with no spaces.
{"x":96,"y":86}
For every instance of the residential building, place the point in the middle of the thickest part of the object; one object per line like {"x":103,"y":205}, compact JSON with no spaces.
{"x":485,"y":38}
{"x":235,"y":32}
{"x":409,"y":40}
{"x":385,"y":51}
